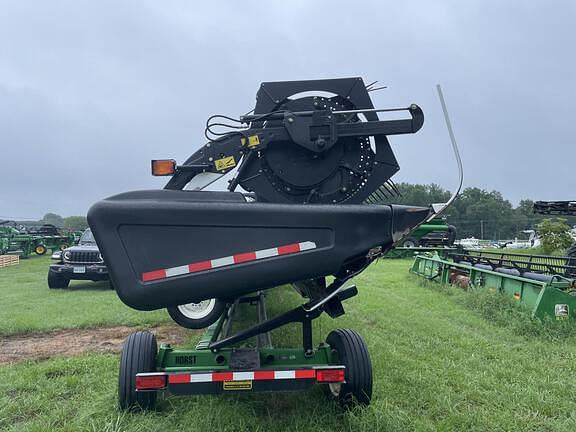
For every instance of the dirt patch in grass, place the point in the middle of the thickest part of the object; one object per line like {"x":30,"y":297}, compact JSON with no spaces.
{"x":42,"y":346}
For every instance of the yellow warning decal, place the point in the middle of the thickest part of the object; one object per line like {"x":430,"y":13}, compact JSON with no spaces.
{"x":225,"y":163}
{"x":253,"y":141}
{"x":243,"y":141}
{"x":238,"y":385}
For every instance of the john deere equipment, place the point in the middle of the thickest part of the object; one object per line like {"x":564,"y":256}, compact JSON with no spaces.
{"x":49,"y":237}
{"x":18,"y":241}
{"x":545,"y":285}
{"x":314,"y":165}
{"x":436,"y":233}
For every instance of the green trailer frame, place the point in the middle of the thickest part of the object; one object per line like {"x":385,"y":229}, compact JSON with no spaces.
{"x":219,"y":365}
{"x":553,"y":298}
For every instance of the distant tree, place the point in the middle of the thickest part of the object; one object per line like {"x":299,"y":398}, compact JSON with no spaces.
{"x":75,"y":223}
{"x":421,"y":195}
{"x":483,"y":214}
{"x":54,"y":219}
{"x":554,"y":235}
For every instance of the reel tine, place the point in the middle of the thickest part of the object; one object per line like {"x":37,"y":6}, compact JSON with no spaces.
{"x":380,"y":194}
{"x":376,"y":88}
{"x":394,"y":187}
{"x":371,"y":84}
{"x":389,"y":190}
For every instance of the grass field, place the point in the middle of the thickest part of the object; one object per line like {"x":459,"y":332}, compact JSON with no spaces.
{"x":443,"y":360}
{"x":28,"y":304}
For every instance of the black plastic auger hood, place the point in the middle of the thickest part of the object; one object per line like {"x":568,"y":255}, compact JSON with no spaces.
{"x":165,"y":247}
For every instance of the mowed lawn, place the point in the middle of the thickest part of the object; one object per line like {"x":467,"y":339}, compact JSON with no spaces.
{"x":438,"y":363}
{"x":27,"y":304}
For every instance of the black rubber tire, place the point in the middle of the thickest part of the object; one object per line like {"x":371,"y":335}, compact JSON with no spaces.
{"x":410,"y":242}
{"x":40,"y":250}
{"x":56,"y":280}
{"x":351,"y":351}
{"x":182,"y":320}
{"x":138,"y":355}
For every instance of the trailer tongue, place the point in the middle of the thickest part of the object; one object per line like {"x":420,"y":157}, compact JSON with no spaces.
{"x":315,"y":166}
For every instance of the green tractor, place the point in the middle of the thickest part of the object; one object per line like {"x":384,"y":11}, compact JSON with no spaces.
{"x":436,"y":233}
{"x":49,"y":237}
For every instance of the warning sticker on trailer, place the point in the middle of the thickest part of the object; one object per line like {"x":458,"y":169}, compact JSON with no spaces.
{"x":225,"y":163}
{"x":238,"y":385}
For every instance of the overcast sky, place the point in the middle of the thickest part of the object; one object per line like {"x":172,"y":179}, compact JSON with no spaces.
{"x":91,"y":91}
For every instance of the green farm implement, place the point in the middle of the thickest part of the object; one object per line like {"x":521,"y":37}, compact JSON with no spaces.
{"x":48,"y":237}
{"x":435,"y":233}
{"x":4,"y":245}
{"x":314,"y":165}
{"x":540,"y":283}
{"x":411,"y":252}
{"x":15,"y":242}
{"x":23,"y":242}
{"x":219,"y":365}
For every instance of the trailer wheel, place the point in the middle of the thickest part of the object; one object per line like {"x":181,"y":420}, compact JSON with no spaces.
{"x":351,"y":351}
{"x":57,"y":280}
{"x":138,"y":355}
{"x":197,"y":315}
{"x":40,"y":250}
{"x":410,"y":243}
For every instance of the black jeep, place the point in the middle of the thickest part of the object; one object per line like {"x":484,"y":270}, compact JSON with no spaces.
{"x":82,"y":262}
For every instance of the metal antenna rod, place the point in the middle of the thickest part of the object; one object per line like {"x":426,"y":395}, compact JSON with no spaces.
{"x":456,"y":155}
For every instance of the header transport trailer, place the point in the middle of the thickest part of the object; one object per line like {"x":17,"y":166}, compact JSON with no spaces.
{"x":314,"y":166}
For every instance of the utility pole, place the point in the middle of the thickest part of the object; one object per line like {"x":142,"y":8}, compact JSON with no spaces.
{"x":481,"y":230}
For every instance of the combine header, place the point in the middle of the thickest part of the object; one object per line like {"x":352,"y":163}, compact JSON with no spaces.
{"x":546,"y":285}
{"x":314,"y":166}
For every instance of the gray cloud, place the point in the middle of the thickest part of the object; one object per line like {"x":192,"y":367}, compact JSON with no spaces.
{"x":91,"y":91}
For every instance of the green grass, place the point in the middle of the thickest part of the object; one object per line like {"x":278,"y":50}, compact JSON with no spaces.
{"x":442,"y":361}
{"x":27,"y":304}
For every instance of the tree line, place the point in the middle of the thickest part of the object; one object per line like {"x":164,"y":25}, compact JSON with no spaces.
{"x":477,"y":212}
{"x":70,"y":223}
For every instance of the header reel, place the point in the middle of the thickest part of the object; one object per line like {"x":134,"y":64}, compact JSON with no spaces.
{"x":315,"y":142}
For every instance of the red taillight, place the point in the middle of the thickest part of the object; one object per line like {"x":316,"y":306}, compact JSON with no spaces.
{"x":150,"y":382}
{"x":330,"y":375}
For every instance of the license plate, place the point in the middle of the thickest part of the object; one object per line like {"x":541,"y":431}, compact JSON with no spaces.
{"x":79,"y":270}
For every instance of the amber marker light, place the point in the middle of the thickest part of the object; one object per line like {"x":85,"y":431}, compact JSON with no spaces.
{"x":163,"y":167}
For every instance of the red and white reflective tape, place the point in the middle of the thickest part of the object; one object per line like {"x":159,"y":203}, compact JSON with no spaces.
{"x":241,"y":376}
{"x":228,"y":261}
{"x":159,"y":380}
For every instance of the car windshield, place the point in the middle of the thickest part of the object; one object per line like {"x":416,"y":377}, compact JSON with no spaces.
{"x":87,"y":237}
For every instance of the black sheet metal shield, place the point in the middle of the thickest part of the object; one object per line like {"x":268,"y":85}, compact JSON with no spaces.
{"x":165,"y":247}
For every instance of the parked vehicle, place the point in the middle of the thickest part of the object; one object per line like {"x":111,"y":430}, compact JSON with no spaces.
{"x":81,"y":262}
